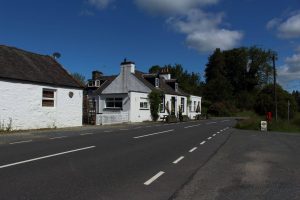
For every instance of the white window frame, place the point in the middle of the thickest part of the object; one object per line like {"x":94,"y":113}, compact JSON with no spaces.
{"x":156,"y":82}
{"x":49,"y":98}
{"x":144,"y":104}
{"x":182,"y":104}
{"x":114,"y":100}
{"x":97,"y":83}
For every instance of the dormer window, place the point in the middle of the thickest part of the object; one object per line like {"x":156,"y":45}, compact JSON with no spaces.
{"x":156,"y":82}
{"x":176,"y":87}
{"x":97,"y":83}
{"x":91,"y":83}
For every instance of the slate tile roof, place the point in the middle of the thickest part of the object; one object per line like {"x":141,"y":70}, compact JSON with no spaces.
{"x":20,"y":65}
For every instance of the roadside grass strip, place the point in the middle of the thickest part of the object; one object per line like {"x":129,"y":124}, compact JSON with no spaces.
{"x":44,"y":157}
{"x":167,"y":131}
{"x":192,"y":126}
{"x":178,"y":160}
{"x":151,"y":180}
{"x":20,"y":142}
{"x":193,"y":149}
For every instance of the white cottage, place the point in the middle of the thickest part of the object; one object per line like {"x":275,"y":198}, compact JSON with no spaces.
{"x":124,"y":98}
{"x":36,"y":92}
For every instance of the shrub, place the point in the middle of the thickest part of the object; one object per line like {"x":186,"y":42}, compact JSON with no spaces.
{"x":171,"y":119}
{"x":155,"y":99}
{"x":184,"y":118}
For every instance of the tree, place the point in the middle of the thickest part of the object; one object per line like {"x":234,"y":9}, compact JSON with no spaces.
{"x":56,"y":55}
{"x":215,"y":66}
{"x":296,"y":95}
{"x":79,"y":77}
{"x":155,"y":99}
{"x":154,"y":69}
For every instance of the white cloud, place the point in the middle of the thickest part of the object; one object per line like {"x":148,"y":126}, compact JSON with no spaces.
{"x":100,"y":4}
{"x":287,"y":28}
{"x":291,"y":70}
{"x":203,"y":31}
{"x":167,"y":7}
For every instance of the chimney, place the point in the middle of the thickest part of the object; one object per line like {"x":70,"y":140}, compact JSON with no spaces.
{"x":96,"y":75}
{"x":127,"y":66}
{"x":164,"y":73}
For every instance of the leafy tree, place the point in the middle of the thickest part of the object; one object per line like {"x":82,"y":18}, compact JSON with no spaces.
{"x":215,"y":66}
{"x":155,"y":99}
{"x":154,"y":69}
{"x":296,"y":95}
{"x":79,"y":77}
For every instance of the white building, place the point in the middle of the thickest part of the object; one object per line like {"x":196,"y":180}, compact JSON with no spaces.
{"x":36,"y":92}
{"x":124,"y":98}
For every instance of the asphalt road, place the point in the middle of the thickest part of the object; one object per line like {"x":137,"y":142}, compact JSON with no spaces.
{"x":144,"y":162}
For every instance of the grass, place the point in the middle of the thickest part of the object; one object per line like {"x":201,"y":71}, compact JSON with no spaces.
{"x":253,"y":123}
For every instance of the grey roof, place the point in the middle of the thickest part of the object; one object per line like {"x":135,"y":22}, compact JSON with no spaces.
{"x":108,"y":80}
{"x":17,"y":64}
{"x":163,"y":86}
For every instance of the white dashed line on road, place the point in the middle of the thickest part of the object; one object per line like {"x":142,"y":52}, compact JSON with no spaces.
{"x":193,"y":149}
{"x":151,"y":180}
{"x":55,"y":138}
{"x":192,"y":126}
{"x":86,"y":134}
{"x":214,"y":135}
{"x":19,"y":142}
{"x":209,"y":138}
{"x":153,"y":134}
{"x":178,"y":160}
{"x":202,"y":143}
{"x":44,"y":157}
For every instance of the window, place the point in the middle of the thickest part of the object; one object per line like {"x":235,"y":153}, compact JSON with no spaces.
{"x":182,"y":104}
{"x":48,"y":99}
{"x":156,"y":82}
{"x":144,"y":105}
{"x":115,"y":103}
{"x":176,"y":87}
{"x":97,"y":83}
{"x":162,"y":105}
{"x":195,"y":106}
{"x":91,"y":83}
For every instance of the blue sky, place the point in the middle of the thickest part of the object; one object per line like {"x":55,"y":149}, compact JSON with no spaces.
{"x":99,"y":34}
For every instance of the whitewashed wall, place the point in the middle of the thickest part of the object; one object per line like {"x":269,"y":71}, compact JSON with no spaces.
{"x":177,"y":104}
{"x":136,"y":114}
{"x":23,"y":104}
{"x":192,"y":110}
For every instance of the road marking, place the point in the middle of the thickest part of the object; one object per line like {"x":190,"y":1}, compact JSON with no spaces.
{"x":178,"y":160}
{"x":108,"y":131}
{"x":192,"y":126}
{"x":44,"y":157}
{"x":153,"y":134}
{"x":193,"y":149}
{"x":218,"y":132}
{"x":87,"y":134}
{"x":55,"y":138}
{"x":211,"y":123}
{"x":202,"y":143}
{"x":24,"y":141}
{"x":151,"y":180}
{"x":214,"y":135}
{"x":209,"y":138}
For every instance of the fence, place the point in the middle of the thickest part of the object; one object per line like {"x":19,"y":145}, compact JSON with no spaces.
{"x":112,"y":118}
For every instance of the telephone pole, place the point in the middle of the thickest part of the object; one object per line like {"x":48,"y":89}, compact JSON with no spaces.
{"x":275,"y":93}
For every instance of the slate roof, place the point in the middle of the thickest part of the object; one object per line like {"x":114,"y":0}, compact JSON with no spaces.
{"x":108,"y":80}
{"x":163,"y":86}
{"x":17,"y":64}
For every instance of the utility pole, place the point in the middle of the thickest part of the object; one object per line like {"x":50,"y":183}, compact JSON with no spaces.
{"x":289,"y":111}
{"x":275,"y":93}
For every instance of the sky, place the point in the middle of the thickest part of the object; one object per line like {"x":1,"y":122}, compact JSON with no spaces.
{"x":99,"y":34}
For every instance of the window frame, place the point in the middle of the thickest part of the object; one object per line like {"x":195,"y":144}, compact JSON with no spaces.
{"x":114,"y":100}
{"x":45,"y":98}
{"x":182,"y":104}
{"x":143,"y":102}
{"x":162,"y":107}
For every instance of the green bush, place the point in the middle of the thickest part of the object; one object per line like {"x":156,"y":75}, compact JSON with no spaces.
{"x":184,"y":118}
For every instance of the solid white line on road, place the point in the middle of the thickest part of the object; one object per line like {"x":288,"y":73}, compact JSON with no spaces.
{"x":211,"y":123}
{"x":214,"y":135}
{"x":44,"y":157}
{"x":87,"y":134}
{"x":202,"y":143}
{"x":55,"y":138}
{"x":192,"y":126}
{"x":151,"y":180}
{"x":178,"y":160}
{"x":209,"y":138}
{"x":153,"y":134}
{"x":19,"y":142}
{"x":193,"y":149}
